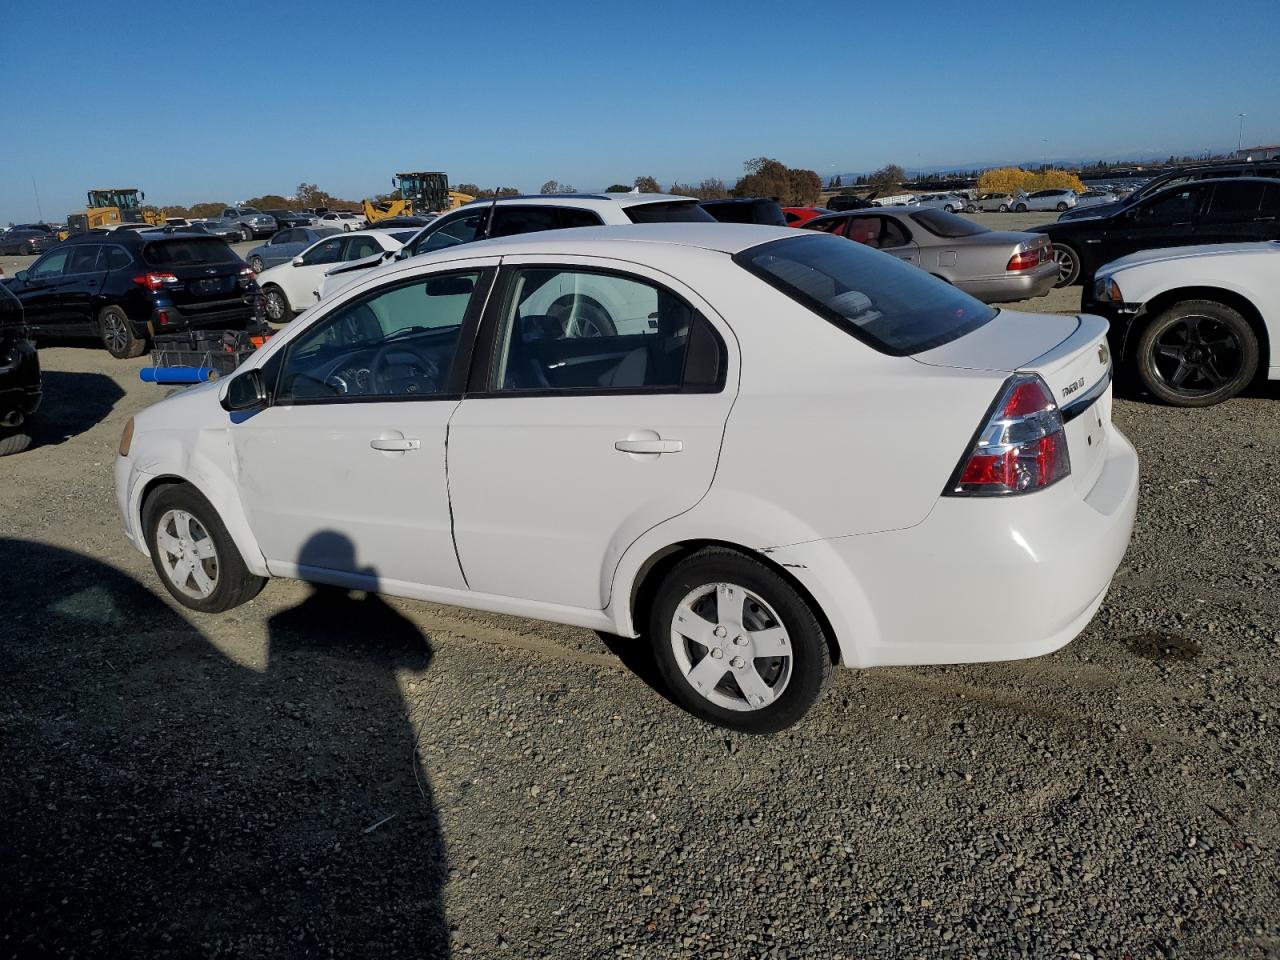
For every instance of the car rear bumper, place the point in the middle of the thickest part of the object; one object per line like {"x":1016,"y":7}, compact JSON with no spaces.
{"x":980,"y":579}
{"x":229,"y":314}
{"x":20,"y":388}
{"x":1006,"y":289}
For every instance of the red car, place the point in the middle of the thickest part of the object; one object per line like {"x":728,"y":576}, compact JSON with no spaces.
{"x":799,"y":216}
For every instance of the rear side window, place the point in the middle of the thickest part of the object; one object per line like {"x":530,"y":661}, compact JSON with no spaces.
{"x":511,"y":220}
{"x":892,"y":306}
{"x":948,"y":225}
{"x":188,"y":251}
{"x":669,"y":211}
{"x":84,"y":259}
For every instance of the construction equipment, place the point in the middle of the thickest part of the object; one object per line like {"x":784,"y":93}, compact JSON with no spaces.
{"x":112,"y":205}
{"x":419,"y":193}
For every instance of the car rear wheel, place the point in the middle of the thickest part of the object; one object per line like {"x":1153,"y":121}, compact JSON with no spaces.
{"x":193,"y":553}
{"x":949,"y":208}
{"x":257,"y":264}
{"x":276,"y":304}
{"x":245,"y":234}
{"x":117,"y":334}
{"x":1197,"y":353}
{"x":1068,"y":265}
{"x":1061,"y":207}
{"x":736,"y":644}
{"x":28,"y":250}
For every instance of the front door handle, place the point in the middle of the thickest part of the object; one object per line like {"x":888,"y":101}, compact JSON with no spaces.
{"x":648,"y":446}
{"x":395,"y":444}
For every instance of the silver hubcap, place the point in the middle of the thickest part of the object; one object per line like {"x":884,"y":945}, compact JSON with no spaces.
{"x":187,"y":554}
{"x":256,"y":263}
{"x":1066,"y":263}
{"x":731,"y":647}
{"x":114,"y":332}
{"x":275,"y":305}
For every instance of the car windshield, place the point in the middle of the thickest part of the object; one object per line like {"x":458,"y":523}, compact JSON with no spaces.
{"x":669,"y":211}
{"x":188,"y":251}
{"x":948,"y":225}
{"x":894,"y":307}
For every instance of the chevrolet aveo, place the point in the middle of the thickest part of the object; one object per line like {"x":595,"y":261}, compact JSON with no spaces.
{"x":766,"y":451}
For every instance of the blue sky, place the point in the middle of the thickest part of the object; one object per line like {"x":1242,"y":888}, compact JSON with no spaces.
{"x":215,"y":100}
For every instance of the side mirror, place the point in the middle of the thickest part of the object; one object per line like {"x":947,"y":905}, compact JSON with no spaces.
{"x":297,"y":261}
{"x":21,"y":276}
{"x":245,"y":391}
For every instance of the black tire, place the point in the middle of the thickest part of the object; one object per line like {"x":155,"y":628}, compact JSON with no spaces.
{"x":27,"y":250}
{"x":1068,"y":264}
{"x":14,"y":441}
{"x":803,"y":680}
{"x":1020,"y":208}
{"x":1197,"y":353}
{"x":116,"y":331}
{"x":276,"y":304}
{"x":233,"y":583}
{"x":591,"y":319}
{"x":949,"y":208}
{"x":257,"y":264}
{"x":1004,"y":208}
{"x":1061,"y":207}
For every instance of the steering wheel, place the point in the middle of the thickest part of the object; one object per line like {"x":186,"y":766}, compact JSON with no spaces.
{"x":379,"y":373}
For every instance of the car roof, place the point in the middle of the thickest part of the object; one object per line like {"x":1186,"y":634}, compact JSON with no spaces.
{"x":727,"y":238}
{"x":584,"y":199}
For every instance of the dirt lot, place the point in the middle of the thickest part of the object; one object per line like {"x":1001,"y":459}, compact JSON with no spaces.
{"x":317,"y":774}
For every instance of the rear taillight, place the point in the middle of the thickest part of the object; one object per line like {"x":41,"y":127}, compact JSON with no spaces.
{"x":1026,"y":259}
{"x":1021,"y":448}
{"x":154,"y":281}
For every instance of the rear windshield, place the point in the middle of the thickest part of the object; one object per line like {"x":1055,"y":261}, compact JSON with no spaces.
{"x":943,"y":224}
{"x":767,"y":212}
{"x":187,"y":251}
{"x":896,"y":308}
{"x":669,"y":211}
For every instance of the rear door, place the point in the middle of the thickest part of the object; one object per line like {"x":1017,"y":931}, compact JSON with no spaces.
{"x":585,"y":426}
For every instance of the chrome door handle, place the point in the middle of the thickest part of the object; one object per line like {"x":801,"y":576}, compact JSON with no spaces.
{"x":648,"y":446}
{"x":397,"y":444}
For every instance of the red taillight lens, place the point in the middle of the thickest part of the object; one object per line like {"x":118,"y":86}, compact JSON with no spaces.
{"x":1021,"y":448}
{"x":1026,"y":259}
{"x":155,"y":281}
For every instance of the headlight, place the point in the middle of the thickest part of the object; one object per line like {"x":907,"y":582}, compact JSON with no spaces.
{"x":1106,"y":289}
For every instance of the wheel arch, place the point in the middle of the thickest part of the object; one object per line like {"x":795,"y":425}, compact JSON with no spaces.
{"x":1228,"y":298}
{"x":229,"y":512}
{"x":649,"y":576}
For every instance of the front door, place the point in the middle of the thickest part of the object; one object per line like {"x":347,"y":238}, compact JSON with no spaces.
{"x":41,"y":290}
{"x":343,"y":475}
{"x":82,"y":282}
{"x":1169,"y":219}
{"x":599,"y":415}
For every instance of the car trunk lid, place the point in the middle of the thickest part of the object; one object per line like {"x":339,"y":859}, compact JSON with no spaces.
{"x":1069,"y":353}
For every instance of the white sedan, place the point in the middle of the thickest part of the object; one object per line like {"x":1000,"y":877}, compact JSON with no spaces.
{"x":809,"y":453}
{"x":289,"y":288}
{"x":341,"y":220}
{"x":1196,"y":324}
{"x":1053,"y":199}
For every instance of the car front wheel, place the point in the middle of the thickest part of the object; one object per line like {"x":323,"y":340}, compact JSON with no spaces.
{"x":1020,"y":208}
{"x":277,"y":307}
{"x":1197,"y":353}
{"x":246,"y":234}
{"x":257,"y":264}
{"x":1004,"y":208}
{"x":1068,"y":265}
{"x":737,"y":644}
{"x":193,"y":553}
{"x":1061,"y":207}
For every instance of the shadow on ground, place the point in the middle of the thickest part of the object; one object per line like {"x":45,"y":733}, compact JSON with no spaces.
{"x":73,"y":403}
{"x":162,"y":800}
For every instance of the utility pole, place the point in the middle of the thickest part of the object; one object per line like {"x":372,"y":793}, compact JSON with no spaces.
{"x":39,"y":212}
{"x":1240,"y":133}
{"x":1044,"y":154}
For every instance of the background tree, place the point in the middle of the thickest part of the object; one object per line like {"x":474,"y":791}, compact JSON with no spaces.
{"x":555,"y":186}
{"x":804,"y":187}
{"x":272,"y":201}
{"x":888,"y":177}
{"x":1015,"y":180}
{"x":647,"y":185}
{"x":617,"y":188}
{"x":791,"y":186}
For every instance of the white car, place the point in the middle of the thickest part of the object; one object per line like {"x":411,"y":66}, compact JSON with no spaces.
{"x":950,"y":202}
{"x":1053,"y":199}
{"x":508,"y":216}
{"x":1196,"y":324}
{"x":289,"y":288}
{"x":815,"y":453}
{"x":340,"y":219}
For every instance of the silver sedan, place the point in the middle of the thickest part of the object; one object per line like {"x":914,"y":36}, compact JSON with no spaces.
{"x":994,"y":266}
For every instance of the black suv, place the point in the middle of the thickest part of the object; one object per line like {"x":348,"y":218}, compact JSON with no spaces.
{"x":1235,"y":210}
{"x":286,"y":219}
{"x":747,"y":210}
{"x":1172,"y":178}
{"x":26,"y":241}
{"x":19,"y":376}
{"x":123,"y":286}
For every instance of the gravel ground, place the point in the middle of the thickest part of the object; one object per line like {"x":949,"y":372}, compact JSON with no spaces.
{"x":322,"y":774}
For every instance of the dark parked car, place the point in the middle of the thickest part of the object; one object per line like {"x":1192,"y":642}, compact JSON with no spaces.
{"x":843,"y":201}
{"x":747,"y":210}
{"x":290,"y":218}
{"x":1203,"y":211}
{"x":1172,"y":178}
{"x":26,"y":241}
{"x":19,"y":376}
{"x":124,"y":286}
{"x":285,"y":245}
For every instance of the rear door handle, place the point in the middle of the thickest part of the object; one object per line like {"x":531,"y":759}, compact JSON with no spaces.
{"x":648,"y":446}
{"x":395,"y":444}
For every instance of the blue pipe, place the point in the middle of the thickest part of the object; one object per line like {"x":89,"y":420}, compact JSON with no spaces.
{"x":177,"y":374}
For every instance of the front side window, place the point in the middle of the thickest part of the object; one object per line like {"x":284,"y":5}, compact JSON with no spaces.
{"x":513,"y":219}
{"x":1175,"y":206}
{"x":51,"y":265}
{"x":892,"y":306}
{"x":461,"y":229}
{"x":330,"y":251}
{"x":396,"y":343}
{"x":573,"y":330}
